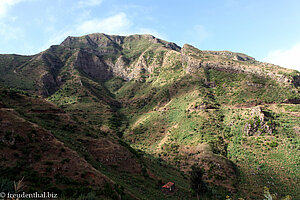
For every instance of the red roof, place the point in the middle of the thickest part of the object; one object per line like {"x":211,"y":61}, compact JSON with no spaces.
{"x":168,"y":185}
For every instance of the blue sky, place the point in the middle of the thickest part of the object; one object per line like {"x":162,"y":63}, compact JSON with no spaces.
{"x":268,"y":30}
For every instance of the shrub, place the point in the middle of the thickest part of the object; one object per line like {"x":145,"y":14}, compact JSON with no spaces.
{"x":273,"y":144}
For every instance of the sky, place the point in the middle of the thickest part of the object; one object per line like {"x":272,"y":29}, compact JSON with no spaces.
{"x":268,"y":30}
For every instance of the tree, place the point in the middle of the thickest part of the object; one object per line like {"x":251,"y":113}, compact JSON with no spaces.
{"x":197,"y":184}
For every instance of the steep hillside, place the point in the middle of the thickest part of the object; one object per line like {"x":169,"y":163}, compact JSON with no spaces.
{"x":55,"y":152}
{"x":235,"y":117}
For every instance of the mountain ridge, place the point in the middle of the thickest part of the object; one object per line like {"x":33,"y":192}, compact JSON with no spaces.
{"x":108,"y":54}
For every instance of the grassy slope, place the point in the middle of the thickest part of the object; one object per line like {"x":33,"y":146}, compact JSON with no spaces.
{"x":175,"y":111}
{"x":8,"y":63}
{"x":28,"y":125}
{"x":143,"y":184}
{"x":266,"y":159}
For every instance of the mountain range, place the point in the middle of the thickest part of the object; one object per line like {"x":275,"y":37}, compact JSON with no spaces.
{"x":116,"y":117}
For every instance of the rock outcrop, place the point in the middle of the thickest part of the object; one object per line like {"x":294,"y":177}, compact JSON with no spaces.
{"x":259,"y":123}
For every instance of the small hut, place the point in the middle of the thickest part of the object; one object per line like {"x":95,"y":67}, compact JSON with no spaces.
{"x":169,"y":187}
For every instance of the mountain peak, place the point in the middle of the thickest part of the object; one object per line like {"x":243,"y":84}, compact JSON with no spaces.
{"x":96,"y":40}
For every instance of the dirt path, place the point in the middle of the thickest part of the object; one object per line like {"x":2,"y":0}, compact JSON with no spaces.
{"x":163,"y":141}
{"x":165,"y":138}
{"x":141,"y":120}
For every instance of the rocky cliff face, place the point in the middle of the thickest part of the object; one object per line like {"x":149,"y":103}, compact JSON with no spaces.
{"x":92,"y":65}
{"x":102,"y":56}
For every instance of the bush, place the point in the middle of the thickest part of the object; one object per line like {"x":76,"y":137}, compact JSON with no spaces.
{"x":273,"y":144}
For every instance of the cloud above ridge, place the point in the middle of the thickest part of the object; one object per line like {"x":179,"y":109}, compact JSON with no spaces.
{"x":289,"y":58}
{"x":116,"y":24}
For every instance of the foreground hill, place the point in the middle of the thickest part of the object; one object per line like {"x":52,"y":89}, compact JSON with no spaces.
{"x":55,"y":152}
{"x":235,"y":117}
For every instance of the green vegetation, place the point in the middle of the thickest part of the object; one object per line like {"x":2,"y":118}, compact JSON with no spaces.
{"x":158,"y":112}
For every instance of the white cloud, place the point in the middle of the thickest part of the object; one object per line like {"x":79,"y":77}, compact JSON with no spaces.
{"x":88,"y":3}
{"x":151,"y":32}
{"x":5,"y":5}
{"x":116,"y":24}
{"x":10,"y":33}
{"x":289,"y":58}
